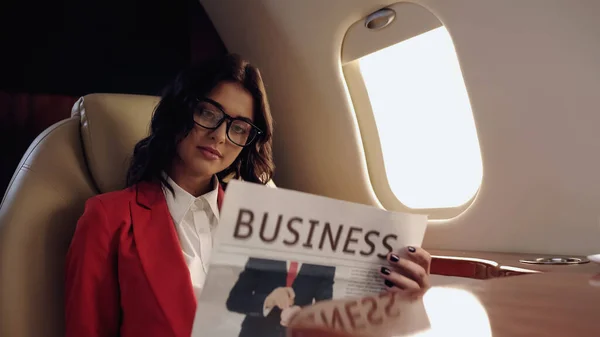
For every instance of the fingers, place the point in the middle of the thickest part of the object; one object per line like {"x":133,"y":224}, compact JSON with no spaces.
{"x":397,"y":281}
{"x":410,"y":273}
{"x":419,"y":256}
{"x":410,"y":269}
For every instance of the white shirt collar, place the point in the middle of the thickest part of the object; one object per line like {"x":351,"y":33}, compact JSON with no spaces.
{"x":181,"y":201}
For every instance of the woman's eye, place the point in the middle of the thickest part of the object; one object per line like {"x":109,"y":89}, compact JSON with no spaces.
{"x":238,"y":129}
{"x":208,"y":114}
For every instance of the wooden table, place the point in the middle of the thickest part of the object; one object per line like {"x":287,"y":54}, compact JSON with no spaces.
{"x":549,"y":304}
{"x":486,"y":265}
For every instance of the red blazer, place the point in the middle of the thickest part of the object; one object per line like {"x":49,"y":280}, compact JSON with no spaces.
{"x":125,"y":271}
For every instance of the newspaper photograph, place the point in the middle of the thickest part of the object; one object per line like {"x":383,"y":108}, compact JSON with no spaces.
{"x":277,"y":251}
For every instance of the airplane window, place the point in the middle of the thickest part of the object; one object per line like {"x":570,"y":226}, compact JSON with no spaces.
{"x":424,"y":120}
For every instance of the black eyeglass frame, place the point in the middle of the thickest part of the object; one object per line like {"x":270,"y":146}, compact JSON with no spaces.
{"x":227,"y":118}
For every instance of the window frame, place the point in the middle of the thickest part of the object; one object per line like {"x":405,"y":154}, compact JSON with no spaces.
{"x":361,"y":104}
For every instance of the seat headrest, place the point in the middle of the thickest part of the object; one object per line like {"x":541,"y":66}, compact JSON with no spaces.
{"x":111,"y":125}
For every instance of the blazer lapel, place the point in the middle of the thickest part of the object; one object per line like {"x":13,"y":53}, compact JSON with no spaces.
{"x":162,"y":259}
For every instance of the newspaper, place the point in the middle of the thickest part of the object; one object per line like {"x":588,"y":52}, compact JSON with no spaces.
{"x":277,"y":251}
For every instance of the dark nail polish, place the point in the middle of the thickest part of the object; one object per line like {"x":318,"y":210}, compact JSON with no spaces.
{"x":388,"y":283}
{"x":385,"y":271}
{"x":411,"y":249}
{"x":394,"y":258}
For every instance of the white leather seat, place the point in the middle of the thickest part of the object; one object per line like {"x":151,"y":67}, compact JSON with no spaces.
{"x":69,"y":162}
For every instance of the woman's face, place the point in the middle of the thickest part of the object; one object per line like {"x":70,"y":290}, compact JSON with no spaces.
{"x":205,"y":152}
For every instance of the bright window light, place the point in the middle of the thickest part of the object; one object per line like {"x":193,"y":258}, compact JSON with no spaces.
{"x":424,"y":119}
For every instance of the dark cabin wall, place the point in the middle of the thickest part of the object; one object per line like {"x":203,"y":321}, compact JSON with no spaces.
{"x":54,"y":52}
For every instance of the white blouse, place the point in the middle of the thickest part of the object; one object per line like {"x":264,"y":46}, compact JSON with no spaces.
{"x":195,"y":222}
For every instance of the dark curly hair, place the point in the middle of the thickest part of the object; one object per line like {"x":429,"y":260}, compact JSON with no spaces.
{"x":173,"y":120}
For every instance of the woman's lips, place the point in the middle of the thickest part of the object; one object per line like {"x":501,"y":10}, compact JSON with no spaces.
{"x":210,"y":153}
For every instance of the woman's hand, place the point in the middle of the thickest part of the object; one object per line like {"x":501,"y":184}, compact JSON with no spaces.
{"x":407,"y":274}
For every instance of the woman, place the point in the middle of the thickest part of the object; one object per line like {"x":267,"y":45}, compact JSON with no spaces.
{"x":139,"y":257}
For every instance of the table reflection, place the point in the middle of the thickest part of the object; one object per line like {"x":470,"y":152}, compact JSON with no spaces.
{"x":539,"y":304}
{"x":454,"y":312}
{"x":441,"y":311}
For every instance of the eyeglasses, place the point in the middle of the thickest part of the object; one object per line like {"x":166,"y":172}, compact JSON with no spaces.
{"x":210,"y":115}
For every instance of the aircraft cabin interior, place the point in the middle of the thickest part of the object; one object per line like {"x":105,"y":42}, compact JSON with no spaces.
{"x":482,"y":115}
